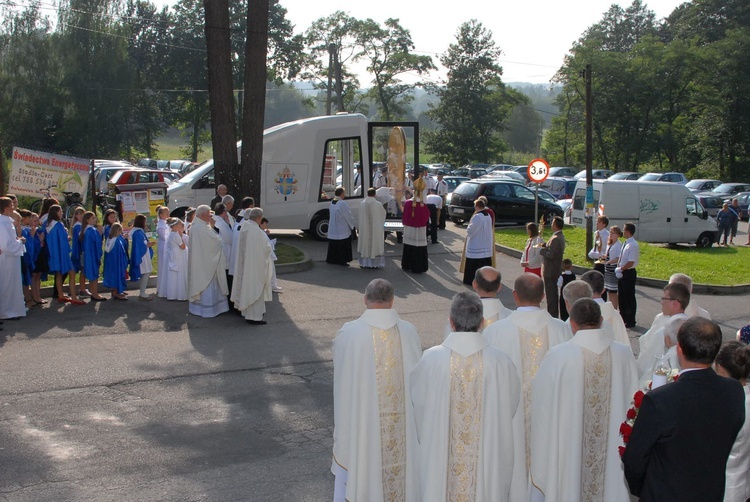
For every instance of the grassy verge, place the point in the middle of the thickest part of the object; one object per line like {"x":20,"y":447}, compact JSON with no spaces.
{"x":715,"y":265}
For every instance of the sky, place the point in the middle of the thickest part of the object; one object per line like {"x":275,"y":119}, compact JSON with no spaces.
{"x":534,"y":36}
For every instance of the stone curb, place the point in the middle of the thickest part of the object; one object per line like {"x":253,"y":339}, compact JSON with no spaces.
{"x":298,"y":266}
{"x":708,"y":289}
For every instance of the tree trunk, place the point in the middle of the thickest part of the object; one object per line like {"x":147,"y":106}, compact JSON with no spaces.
{"x":256,"y":47}
{"x":221,"y":95}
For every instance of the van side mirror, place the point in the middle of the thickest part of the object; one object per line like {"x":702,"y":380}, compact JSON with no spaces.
{"x":704,"y":215}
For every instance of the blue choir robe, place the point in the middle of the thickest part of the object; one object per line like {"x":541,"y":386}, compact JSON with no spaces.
{"x":138,"y":248}
{"x":107,"y":228}
{"x":116,"y":266}
{"x":75,"y":246}
{"x":92,"y":253}
{"x":28,"y":260}
{"x":58,"y":248}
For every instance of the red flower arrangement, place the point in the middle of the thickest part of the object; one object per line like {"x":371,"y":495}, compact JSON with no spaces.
{"x":626,"y":428}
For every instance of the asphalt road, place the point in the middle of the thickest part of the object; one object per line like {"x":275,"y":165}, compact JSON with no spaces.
{"x":140,"y":401}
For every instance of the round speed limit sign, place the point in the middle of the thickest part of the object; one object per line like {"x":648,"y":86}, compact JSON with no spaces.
{"x":538,"y":170}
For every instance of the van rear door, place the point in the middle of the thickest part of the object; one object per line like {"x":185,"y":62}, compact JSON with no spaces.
{"x":658,"y":214}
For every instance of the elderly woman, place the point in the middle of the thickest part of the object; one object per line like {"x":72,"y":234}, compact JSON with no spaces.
{"x":725,"y":218}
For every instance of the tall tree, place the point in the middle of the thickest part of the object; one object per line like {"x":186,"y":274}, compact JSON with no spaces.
{"x":221,"y":94}
{"x":387,"y":51}
{"x":255,"y":90}
{"x":474,"y":103}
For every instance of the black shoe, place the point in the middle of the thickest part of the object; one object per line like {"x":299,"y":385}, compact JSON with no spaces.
{"x":434,"y":242}
{"x":250,"y":321}
{"x":100,"y":299}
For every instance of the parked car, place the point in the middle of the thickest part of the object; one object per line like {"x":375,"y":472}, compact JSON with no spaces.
{"x":511,"y":202}
{"x":560,"y":188}
{"x":702,"y":185}
{"x":625,"y":175}
{"x":506,"y":174}
{"x":727,"y":190}
{"x":176,"y":165}
{"x":665,"y":177}
{"x":499,"y":167}
{"x":453,"y":182}
{"x":711,"y":203}
{"x":744,"y":200}
{"x":562,"y":172}
{"x":133,"y":176}
{"x":566,"y":205}
{"x":103,"y":174}
{"x":523,"y":171}
{"x":597,"y":174}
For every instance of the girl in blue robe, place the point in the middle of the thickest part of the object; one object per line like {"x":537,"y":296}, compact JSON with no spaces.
{"x":28,"y":258}
{"x":91,"y":244}
{"x":116,"y":263}
{"x":36,"y":274}
{"x":76,"y":251}
{"x":141,"y":255}
{"x":58,"y":247}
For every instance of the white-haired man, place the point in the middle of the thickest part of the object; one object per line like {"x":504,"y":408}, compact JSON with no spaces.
{"x":207,"y":280}
{"x":374,"y":435}
{"x":465,"y":395}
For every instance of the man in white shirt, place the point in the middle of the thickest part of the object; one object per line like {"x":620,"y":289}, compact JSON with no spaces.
{"x":340,"y":226}
{"x":627,"y":275}
{"x":674,"y":300}
{"x":435,"y":205}
{"x":525,"y":335}
{"x":611,"y":318}
{"x":580,"y":396}
{"x":441,"y":187}
{"x":465,"y":395}
{"x":374,"y":435}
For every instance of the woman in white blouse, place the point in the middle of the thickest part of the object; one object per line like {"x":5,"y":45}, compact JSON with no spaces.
{"x":733,"y":361}
{"x":531,"y":260}
{"x":610,"y":258}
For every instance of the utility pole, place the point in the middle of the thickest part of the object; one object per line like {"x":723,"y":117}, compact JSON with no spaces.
{"x":329,"y":89}
{"x":589,"y":167}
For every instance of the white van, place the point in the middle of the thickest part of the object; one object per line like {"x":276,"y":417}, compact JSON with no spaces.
{"x":662,"y":212}
{"x":299,"y":171}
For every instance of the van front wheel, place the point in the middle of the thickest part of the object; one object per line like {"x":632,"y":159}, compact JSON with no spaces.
{"x":705,"y":240}
{"x":319,"y":227}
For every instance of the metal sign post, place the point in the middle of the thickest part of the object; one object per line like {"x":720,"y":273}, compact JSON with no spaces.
{"x":538,"y":171}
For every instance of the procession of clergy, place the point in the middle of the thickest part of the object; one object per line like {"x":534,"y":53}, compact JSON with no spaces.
{"x":520,"y":406}
{"x":232,"y":258}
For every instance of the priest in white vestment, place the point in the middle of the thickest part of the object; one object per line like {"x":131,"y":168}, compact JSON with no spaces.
{"x":370,"y":244}
{"x":693,"y":309}
{"x":253,"y":280}
{"x":580,"y":397}
{"x":487,"y":284}
{"x":465,"y":395}
{"x":526,"y":335}
{"x":12,"y":247}
{"x":611,"y":318}
{"x":675,"y":298}
{"x":207,"y":280}
{"x":374,"y":435}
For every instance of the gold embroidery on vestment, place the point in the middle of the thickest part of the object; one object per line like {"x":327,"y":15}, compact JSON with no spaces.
{"x":389,"y":369}
{"x":597,"y":383}
{"x":465,"y":426}
{"x":533,"y":348}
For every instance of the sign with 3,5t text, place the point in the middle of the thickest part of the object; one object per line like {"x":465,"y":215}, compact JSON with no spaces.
{"x":538,"y":170}
{"x":32,"y":173}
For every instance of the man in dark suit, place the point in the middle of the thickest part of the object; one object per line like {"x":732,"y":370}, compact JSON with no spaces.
{"x":552,"y":255}
{"x":685,"y":430}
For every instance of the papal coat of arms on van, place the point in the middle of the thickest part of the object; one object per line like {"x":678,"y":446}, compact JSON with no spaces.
{"x":286,"y":183}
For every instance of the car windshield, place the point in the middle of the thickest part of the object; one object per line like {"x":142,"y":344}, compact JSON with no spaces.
{"x":619,"y":176}
{"x":694,"y":184}
{"x":196,"y":173}
{"x":650,"y":177}
{"x":723,"y":188}
{"x":525,"y":193}
{"x":469,"y":190}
